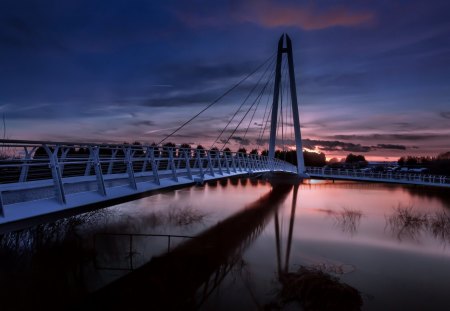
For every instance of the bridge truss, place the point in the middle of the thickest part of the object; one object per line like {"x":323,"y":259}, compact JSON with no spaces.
{"x":57,"y":178}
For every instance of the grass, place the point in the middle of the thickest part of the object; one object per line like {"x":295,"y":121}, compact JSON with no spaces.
{"x":348,"y":219}
{"x":439,"y":226}
{"x":408,"y":222}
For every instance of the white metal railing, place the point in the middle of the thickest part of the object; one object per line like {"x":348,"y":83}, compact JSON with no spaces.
{"x":31,"y":164}
{"x":378,"y":176}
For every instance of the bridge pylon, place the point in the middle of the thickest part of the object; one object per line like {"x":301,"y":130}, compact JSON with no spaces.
{"x":276,"y":96}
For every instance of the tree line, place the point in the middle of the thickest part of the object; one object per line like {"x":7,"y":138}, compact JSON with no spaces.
{"x":439,"y":165}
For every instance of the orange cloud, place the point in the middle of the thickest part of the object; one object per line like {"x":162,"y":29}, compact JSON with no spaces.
{"x":268,"y":14}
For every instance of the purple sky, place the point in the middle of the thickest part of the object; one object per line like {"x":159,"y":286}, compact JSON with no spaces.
{"x":373,"y":76}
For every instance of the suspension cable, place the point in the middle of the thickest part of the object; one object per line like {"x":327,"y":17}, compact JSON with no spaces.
{"x":257,"y":105}
{"x":265,"y":120}
{"x":235,"y":129}
{"x":217,"y":99}
{"x":243,"y":103}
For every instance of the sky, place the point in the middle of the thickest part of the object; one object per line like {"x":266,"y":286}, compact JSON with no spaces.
{"x":372,"y":76}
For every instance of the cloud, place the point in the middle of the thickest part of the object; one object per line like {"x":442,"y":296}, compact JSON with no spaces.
{"x":272,"y":14}
{"x":335,"y":145}
{"x":241,"y":140}
{"x":20,"y":33}
{"x":178,"y":99}
{"x":144,"y":123}
{"x":326,"y":145}
{"x":389,"y":146}
{"x":393,"y":137}
{"x":445,"y":114}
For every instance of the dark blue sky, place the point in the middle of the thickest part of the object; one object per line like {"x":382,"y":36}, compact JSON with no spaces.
{"x":373,"y":76}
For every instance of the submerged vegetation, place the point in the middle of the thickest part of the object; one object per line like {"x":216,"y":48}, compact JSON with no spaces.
{"x":50,"y":261}
{"x":348,"y":219}
{"x":316,"y":290}
{"x":184,"y":216}
{"x":407,"y":222}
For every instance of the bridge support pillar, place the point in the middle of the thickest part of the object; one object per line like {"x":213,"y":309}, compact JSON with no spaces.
{"x":98,"y":170}
{"x":276,"y":95}
{"x":130,"y":170}
{"x":25,"y":167}
{"x":56,"y":174}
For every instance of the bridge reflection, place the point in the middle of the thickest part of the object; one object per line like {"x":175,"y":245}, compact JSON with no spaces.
{"x":174,"y":280}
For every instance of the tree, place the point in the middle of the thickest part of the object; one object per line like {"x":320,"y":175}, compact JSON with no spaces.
{"x":356,"y":160}
{"x":333,"y":160}
{"x":185,"y":147}
{"x":353,"y":158}
{"x":138,"y":150}
{"x":314,"y":159}
{"x":214,"y":151}
{"x":410,"y":161}
{"x":242,"y":150}
{"x":201,"y":150}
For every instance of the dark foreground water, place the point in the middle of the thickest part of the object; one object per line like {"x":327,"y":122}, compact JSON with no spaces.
{"x":241,"y":245}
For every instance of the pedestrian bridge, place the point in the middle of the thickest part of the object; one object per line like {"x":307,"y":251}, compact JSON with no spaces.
{"x":42,"y":181}
{"x":62,"y":179}
{"x":383,"y":177}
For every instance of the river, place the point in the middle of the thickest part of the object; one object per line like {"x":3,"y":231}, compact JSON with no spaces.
{"x":242,"y":244}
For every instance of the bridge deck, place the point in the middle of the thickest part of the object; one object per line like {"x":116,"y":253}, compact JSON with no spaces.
{"x":56,"y":180}
{"x":383,"y":177}
{"x":42,"y":180}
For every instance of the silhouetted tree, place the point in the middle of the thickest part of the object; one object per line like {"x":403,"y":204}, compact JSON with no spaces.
{"x":242,"y":150}
{"x":310,"y":158}
{"x":138,"y":150}
{"x":214,"y":152}
{"x":439,"y":165}
{"x":314,"y":159}
{"x":356,"y":160}
{"x":201,"y":150}
{"x":183,"y":148}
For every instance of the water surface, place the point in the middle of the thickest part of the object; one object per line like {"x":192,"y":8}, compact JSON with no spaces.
{"x":351,"y":231}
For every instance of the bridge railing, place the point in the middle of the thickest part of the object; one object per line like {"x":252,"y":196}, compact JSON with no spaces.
{"x":76,"y":167}
{"x":380,"y":176}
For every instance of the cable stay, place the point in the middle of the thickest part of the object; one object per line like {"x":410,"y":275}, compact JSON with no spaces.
{"x":240,"y":122}
{"x":243,"y":103}
{"x":256,"y":108}
{"x":217,"y":99}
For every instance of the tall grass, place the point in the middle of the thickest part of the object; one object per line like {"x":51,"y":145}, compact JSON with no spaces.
{"x":408,"y":222}
{"x":348,"y":219}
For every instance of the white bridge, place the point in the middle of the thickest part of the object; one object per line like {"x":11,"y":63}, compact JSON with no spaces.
{"x":41,"y":181}
{"x":56,"y":178}
{"x":383,"y":177}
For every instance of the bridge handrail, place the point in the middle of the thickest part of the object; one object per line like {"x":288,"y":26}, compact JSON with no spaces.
{"x":35,"y":164}
{"x":380,"y":176}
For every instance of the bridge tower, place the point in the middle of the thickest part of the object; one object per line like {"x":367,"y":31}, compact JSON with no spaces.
{"x":276,"y":95}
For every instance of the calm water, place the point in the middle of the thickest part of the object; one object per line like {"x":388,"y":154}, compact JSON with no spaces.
{"x":351,"y":231}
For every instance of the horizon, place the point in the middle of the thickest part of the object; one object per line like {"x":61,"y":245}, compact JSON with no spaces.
{"x":372,"y":77}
